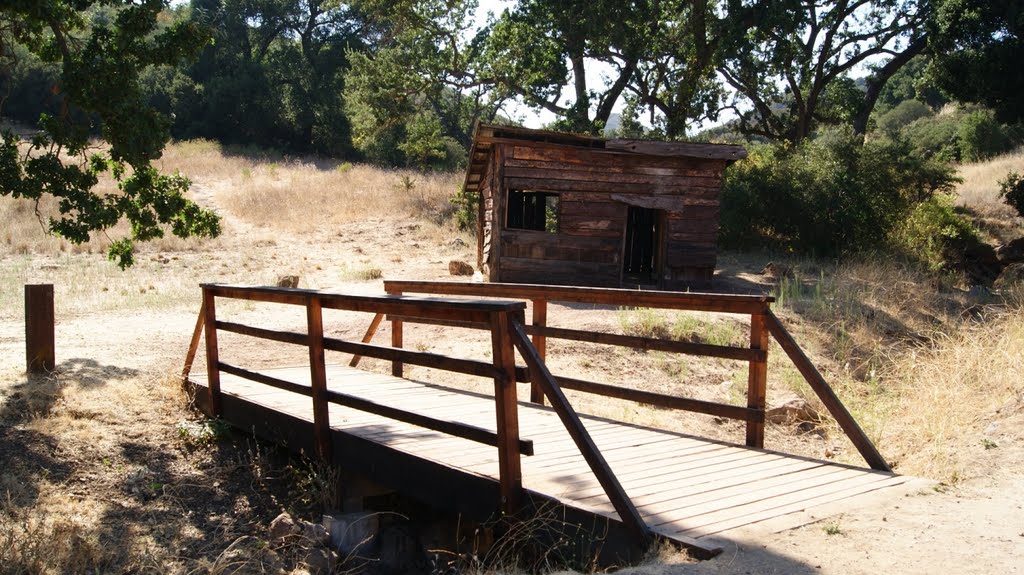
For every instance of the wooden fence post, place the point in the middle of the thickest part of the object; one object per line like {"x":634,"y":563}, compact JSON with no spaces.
{"x":212,"y":353}
{"x":40,"y":355}
{"x":540,"y":319}
{"x":757,"y":380}
{"x":396,"y":341}
{"x":509,"y":464}
{"x":318,"y":379}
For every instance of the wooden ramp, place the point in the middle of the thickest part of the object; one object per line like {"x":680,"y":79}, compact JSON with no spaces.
{"x":686,"y":488}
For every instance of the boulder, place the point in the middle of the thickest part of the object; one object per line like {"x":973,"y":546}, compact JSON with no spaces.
{"x":981,"y":264}
{"x":282,"y":528}
{"x":319,"y":560}
{"x":1011,"y":274}
{"x":794,"y":410}
{"x":1011,"y":252}
{"x":352,"y":533}
{"x":459,"y":268}
{"x":288,"y":281}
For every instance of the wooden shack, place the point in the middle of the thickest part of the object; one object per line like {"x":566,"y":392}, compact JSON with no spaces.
{"x":566,"y":209}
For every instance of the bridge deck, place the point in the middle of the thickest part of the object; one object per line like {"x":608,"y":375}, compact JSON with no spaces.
{"x":686,"y":488}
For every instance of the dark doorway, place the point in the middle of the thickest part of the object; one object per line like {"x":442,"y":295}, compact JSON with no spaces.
{"x":640,"y":257}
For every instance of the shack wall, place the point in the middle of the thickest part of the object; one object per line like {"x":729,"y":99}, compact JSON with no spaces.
{"x":596,"y":188}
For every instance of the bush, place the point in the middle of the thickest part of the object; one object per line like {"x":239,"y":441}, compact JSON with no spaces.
{"x":934,"y":233}
{"x":934,"y":137}
{"x":981,"y":137}
{"x":831,"y":196}
{"x":1012,"y":191}
{"x":906,"y":112}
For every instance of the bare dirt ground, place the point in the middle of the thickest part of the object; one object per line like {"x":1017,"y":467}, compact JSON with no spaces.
{"x":108,"y":444}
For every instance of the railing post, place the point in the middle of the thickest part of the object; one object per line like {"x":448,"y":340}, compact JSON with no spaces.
{"x":757,"y":380}
{"x":540,"y":319}
{"x":40,"y":356}
{"x":506,"y":408}
{"x":318,"y":378}
{"x":212,"y":354}
{"x":396,"y":341}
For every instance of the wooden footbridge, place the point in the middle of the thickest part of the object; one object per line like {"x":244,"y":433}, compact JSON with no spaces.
{"x":477,"y":453}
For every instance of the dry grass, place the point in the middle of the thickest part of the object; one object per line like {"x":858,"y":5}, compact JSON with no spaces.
{"x":979,"y":192}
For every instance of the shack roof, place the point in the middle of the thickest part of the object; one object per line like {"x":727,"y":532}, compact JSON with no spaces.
{"x":486,"y":135}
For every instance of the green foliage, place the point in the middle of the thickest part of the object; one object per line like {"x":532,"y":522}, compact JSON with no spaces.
{"x":100,"y":65}
{"x":891,"y":122}
{"x":1011,"y":189}
{"x":981,"y":136}
{"x":466,"y":209}
{"x":934,"y":137}
{"x":830,"y":196}
{"x":933,"y":232}
{"x":975,"y":46}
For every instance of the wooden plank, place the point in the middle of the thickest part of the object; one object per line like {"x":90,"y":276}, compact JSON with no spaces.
{"x":507,"y":414}
{"x":781,"y":504}
{"x":825,"y":393}
{"x":425,"y":359}
{"x":212,"y":355}
{"x":667,"y":203}
{"x":558,"y":173}
{"x":757,"y":380}
{"x":540,"y":321}
{"x":40,"y":341}
{"x":694,"y":301}
{"x":368,"y":336}
{"x":674,"y":188}
{"x":268,"y":380}
{"x":193,"y":346}
{"x":651,"y":344}
{"x":318,"y":379}
{"x":654,"y":148}
{"x":457,"y":429}
{"x":634,"y":165}
{"x":267,"y":334}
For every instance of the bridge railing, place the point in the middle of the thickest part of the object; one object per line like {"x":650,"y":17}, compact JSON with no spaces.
{"x":763,"y":324}
{"x":504,"y":319}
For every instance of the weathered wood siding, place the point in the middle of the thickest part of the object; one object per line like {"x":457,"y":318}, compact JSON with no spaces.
{"x":596,"y":187}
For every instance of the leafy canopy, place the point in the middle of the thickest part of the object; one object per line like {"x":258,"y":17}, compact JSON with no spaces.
{"x":100,"y":47}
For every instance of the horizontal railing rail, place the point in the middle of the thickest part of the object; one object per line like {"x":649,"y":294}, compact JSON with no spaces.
{"x":763,"y":324}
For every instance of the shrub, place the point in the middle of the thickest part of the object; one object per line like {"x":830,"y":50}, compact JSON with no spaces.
{"x":934,"y":137}
{"x":831,"y":196}
{"x":1012,"y":191}
{"x":981,"y":137}
{"x":934,"y":233}
{"x":465,"y":209}
{"x":906,"y":112}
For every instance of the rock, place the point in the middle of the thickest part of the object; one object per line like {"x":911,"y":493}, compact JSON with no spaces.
{"x":352,"y":532}
{"x":319,"y":560}
{"x":777,"y":271}
{"x":248,"y":554}
{"x":1011,"y":252}
{"x":288,"y":281}
{"x":282,"y":528}
{"x":1011,"y":274}
{"x":459,"y":268}
{"x":794,"y":410}
{"x":314,"y":533}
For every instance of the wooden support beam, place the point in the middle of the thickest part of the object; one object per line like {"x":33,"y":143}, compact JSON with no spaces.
{"x":540,"y":320}
{"x":602,"y":471}
{"x":367,"y":337}
{"x":757,"y":380}
{"x":193,"y":345}
{"x":506,"y":408}
{"x":827,"y":396}
{"x":318,"y":378}
{"x":40,"y":342}
{"x":212,"y":353}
